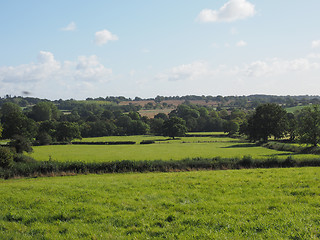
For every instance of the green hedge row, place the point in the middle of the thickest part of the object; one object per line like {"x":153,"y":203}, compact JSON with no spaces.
{"x":51,"y":168}
{"x":280,"y":146}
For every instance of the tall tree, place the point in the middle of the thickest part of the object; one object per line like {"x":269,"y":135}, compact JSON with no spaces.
{"x":66,"y":131}
{"x":309,"y":125}
{"x":15,"y":122}
{"x":43,"y":111}
{"x":268,"y":120}
{"x":174,"y":127}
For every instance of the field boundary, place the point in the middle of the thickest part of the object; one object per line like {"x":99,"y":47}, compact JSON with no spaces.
{"x":54,"y":168}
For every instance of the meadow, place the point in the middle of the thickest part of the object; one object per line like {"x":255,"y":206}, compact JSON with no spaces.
{"x":233,"y":204}
{"x":162,"y":149}
{"x":296,"y":108}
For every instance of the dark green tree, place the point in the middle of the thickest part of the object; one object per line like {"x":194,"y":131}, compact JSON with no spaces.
{"x":292,"y":126}
{"x":309,"y":125}
{"x":156,"y":126}
{"x":174,"y":127}
{"x":6,"y":157}
{"x":268,"y":120}
{"x":21,"y":144}
{"x":162,"y":116}
{"x":15,"y":122}
{"x":230,"y":126}
{"x":43,"y":138}
{"x":43,"y":111}
{"x":67,"y":131}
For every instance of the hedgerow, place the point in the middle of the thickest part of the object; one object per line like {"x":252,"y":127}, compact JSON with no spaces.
{"x":51,"y":168}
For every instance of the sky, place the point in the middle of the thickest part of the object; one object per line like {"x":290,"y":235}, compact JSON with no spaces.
{"x":79,"y":49}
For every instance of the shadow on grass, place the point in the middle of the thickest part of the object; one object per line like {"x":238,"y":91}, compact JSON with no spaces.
{"x":242,"y":145}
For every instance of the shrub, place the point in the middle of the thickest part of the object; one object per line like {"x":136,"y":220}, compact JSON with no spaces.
{"x":246,"y":161}
{"x":21,"y":144}
{"x":19,"y":157}
{"x":44,"y":138}
{"x":6,"y":157}
{"x":289,"y":162}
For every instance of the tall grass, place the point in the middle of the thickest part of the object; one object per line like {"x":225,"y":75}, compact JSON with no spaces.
{"x":235,"y":204}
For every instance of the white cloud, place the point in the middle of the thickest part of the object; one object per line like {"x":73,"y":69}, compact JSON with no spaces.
{"x":103,"y":36}
{"x":261,"y":68}
{"x":277,"y":66}
{"x":315,"y":44}
{"x":268,"y":76}
{"x":90,"y":69}
{"x":70,"y":27}
{"x":85,"y":69}
{"x":231,"y":11}
{"x":241,"y":43}
{"x":313,"y":55}
{"x":185,"y":72}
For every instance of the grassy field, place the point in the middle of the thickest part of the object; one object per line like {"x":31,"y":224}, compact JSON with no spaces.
{"x":186,"y":147}
{"x":233,"y":204}
{"x":135,"y":138}
{"x":296,"y":108}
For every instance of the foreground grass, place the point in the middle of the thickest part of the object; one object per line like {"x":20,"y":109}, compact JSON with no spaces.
{"x":188,"y":147}
{"x":233,"y":204}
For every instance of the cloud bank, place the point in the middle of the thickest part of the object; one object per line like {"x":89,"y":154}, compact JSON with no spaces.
{"x":261,"y":68}
{"x":87,"y":69}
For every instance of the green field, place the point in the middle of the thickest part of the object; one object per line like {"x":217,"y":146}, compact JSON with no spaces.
{"x":135,"y":138}
{"x":296,"y":108}
{"x":186,"y":147}
{"x":233,"y":204}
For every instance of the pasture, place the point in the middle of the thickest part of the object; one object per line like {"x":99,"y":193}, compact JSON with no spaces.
{"x":185,"y":147}
{"x":234,"y":204}
{"x":296,"y":108}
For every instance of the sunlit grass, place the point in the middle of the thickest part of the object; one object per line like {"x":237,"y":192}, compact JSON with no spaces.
{"x":185,"y":147}
{"x":233,"y":204}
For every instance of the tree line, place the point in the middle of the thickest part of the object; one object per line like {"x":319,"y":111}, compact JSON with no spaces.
{"x":44,"y":122}
{"x":244,"y":102}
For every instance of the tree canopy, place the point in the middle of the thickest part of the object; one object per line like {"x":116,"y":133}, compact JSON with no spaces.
{"x":174,"y":127}
{"x":268,"y":120}
{"x":309,"y":125}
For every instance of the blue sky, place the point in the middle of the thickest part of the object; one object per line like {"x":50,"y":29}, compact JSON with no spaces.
{"x":79,"y":49}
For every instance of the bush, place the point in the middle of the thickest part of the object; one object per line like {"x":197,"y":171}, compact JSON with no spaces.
{"x":44,"y":138}
{"x":19,"y":157}
{"x":246,"y":161}
{"x":6,"y":157}
{"x":21,"y":144}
